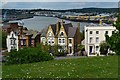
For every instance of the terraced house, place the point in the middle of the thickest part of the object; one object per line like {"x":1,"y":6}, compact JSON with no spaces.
{"x":62,"y":34}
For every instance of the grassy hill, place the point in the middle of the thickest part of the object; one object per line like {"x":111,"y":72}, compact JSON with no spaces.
{"x":88,"y":67}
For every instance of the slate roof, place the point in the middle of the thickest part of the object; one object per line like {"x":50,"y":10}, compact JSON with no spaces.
{"x":66,"y":27}
{"x":5,"y":26}
{"x":43,"y":32}
{"x":69,"y":29}
{"x":31,"y":32}
{"x":53,"y":26}
{"x":72,"y":31}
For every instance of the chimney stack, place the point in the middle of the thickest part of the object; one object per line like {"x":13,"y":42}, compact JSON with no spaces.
{"x":57,"y":25}
{"x":79,"y":26}
{"x":100,"y":22}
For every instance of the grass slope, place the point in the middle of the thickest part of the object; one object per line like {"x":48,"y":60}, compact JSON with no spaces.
{"x":93,"y":67}
{"x":0,"y":70}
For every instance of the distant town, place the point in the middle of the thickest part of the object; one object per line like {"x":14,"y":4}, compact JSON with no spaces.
{"x":84,"y":15}
{"x":63,"y":43}
{"x":103,"y":17}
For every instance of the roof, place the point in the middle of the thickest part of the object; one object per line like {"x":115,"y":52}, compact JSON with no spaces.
{"x":66,"y":27}
{"x":16,"y":22}
{"x":69,"y":30}
{"x":43,"y":32}
{"x":31,"y":32}
{"x":53,"y":26}
{"x":5,"y":26}
{"x":72,"y":31}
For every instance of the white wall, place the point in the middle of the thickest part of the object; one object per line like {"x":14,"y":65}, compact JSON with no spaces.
{"x":8,"y":41}
{"x":43,"y":40}
{"x":101,"y":35}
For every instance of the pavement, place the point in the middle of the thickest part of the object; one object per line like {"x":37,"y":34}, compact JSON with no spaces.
{"x":69,"y":57}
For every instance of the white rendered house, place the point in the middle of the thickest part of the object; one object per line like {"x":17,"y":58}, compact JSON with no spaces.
{"x":94,"y":36}
{"x":12,"y":41}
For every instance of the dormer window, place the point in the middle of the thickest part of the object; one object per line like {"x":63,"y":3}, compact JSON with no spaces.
{"x":61,"y":34}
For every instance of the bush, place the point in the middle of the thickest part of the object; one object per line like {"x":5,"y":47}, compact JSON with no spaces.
{"x":58,"y":54}
{"x":104,"y":48}
{"x":27,"y":55}
{"x":55,"y":52}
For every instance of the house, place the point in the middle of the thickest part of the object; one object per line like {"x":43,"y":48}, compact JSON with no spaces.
{"x":28,"y":38}
{"x":12,"y":41}
{"x":94,"y":36}
{"x":22,"y":37}
{"x":62,"y":34}
{"x":12,"y":26}
{"x":6,"y":28}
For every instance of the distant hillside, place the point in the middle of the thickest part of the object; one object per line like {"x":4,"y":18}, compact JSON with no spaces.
{"x":98,"y":10}
{"x":84,"y":10}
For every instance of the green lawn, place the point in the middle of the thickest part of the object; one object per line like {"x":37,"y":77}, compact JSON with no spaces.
{"x":88,"y":67}
{"x":0,"y":70}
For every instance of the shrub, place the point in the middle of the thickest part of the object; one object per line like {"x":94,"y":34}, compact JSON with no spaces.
{"x":104,"y":48}
{"x":27,"y":55}
{"x":58,"y":54}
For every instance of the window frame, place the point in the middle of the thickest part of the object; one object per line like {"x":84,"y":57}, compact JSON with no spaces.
{"x":91,"y":39}
{"x":70,"y":41}
{"x":97,"y":32}
{"x":61,"y":33}
{"x":97,"y":39}
{"x":106,"y":32}
{"x":91,"y":32}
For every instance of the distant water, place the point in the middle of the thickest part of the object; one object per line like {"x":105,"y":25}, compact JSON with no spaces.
{"x":40,"y":22}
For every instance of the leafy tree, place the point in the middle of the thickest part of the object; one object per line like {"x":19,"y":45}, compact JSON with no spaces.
{"x":104,"y":48}
{"x":82,"y":35}
{"x":4,"y":36}
{"x":114,"y":40}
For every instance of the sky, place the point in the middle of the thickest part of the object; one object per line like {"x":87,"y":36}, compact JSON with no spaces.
{"x":58,"y":4}
{"x":61,"y":0}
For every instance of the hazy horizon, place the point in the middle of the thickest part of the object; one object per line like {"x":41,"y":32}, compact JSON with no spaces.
{"x":59,"y":5}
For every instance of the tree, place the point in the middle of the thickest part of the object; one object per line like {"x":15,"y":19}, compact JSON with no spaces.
{"x":104,"y":48}
{"x":114,"y":40}
{"x":4,"y":36}
{"x":82,"y":35}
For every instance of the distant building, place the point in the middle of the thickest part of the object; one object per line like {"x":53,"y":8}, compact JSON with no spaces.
{"x":21,"y":37}
{"x":62,"y":34}
{"x":11,"y":26}
{"x":12,"y":41}
{"x":94,"y":35}
{"x":28,"y":38}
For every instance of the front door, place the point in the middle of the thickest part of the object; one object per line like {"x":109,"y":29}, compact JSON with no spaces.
{"x":70,"y":48}
{"x":91,"y":48}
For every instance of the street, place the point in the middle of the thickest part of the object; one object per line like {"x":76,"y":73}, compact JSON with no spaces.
{"x":69,"y":57}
